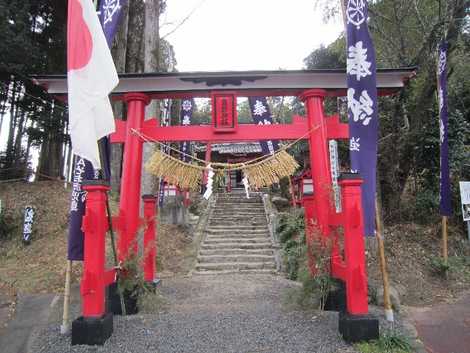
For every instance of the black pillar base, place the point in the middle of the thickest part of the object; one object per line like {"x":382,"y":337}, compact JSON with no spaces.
{"x":114,"y":301}
{"x":336,"y":298}
{"x":357,"y":328}
{"x":92,"y":331}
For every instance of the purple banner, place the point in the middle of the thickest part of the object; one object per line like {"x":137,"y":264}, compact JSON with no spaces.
{"x":164,"y":121}
{"x":262,"y":116}
{"x":83,"y":171}
{"x":186,"y":115}
{"x":445,"y":204}
{"x":110,"y":12}
{"x":362,"y":106}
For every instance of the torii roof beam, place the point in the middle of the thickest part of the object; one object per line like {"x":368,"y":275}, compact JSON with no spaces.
{"x":245,"y":83}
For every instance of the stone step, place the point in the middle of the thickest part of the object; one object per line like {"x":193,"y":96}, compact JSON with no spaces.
{"x":236,"y":246}
{"x":249,"y":219}
{"x":240,"y":197}
{"x":236,"y":209}
{"x":237,"y":214}
{"x":203,"y":252}
{"x":214,"y":240}
{"x":241,"y":202}
{"x":238,"y":226}
{"x":245,"y":231}
{"x":219,"y":235}
{"x":234,"y":258}
{"x":228,"y":272}
{"x":235,"y":266}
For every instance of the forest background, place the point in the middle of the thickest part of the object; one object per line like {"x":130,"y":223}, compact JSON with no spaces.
{"x":406,"y":33}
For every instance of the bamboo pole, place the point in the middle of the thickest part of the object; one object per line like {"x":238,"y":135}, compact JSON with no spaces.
{"x":343,"y":9}
{"x":383,"y":263}
{"x":445,"y":252}
{"x":64,"y":328}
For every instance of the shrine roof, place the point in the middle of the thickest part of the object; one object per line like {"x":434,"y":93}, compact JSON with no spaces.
{"x":246,"y":83}
{"x":233,"y":148}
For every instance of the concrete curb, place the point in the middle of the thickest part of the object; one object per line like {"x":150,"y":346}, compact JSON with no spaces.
{"x":31,"y":315}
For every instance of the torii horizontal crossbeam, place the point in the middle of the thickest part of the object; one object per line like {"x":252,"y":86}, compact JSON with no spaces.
{"x":245,"y":132}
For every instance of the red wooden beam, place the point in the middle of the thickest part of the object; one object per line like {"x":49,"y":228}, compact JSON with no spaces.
{"x":335,"y":129}
{"x":244,"y":132}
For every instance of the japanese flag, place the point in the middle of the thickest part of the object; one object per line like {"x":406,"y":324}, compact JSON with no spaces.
{"x":91,"y":78}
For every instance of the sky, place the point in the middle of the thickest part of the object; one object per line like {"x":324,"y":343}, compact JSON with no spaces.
{"x":245,"y":34}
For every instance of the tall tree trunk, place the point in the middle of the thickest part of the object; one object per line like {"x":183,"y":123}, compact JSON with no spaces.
{"x":135,"y":37}
{"x":9,"y":157}
{"x":151,"y":64}
{"x":119,"y":51}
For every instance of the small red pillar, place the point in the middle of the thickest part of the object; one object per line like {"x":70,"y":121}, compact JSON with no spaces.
{"x":354,"y":250}
{"x":129,"y":206}
{"x":94,"y":226}
{"x":150,"y":237}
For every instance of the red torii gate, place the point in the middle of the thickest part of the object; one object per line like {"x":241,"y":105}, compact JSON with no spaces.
{"x":137,"y":90}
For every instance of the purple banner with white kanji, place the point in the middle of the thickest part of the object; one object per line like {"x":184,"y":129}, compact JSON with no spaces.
{"x":262,"y":116}
{"x":186,"y":115}
{"x":83,"y":171}
{"x":445,"y":203}
{"x":110,"y":12}
{"x":362,"y":105}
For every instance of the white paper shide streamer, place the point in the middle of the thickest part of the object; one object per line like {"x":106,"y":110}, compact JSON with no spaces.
{"x":247,"y":186}
{"x":210,"y":181}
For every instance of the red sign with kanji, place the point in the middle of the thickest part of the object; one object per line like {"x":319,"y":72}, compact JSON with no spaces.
{"x":224,"y":111}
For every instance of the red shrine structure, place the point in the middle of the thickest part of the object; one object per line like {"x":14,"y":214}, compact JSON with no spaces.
{"x":311,"y":87}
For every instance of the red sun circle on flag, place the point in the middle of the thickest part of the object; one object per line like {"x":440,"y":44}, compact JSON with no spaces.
{"x":80,"y":42}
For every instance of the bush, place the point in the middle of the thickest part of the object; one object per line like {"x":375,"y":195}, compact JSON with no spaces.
{"x":8,"y":225}
{"x":390,"y":342}
{"x":291,"y":231}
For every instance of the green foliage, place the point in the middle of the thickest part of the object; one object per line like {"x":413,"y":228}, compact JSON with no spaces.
{"x":8,"y":225}
{"x":455,"y":265}
{"x":408,"y":163}
{"x":390,"y":342}
{"x":291,"y":232}
{"x":314,"y":290}
{"x":291,"y":226}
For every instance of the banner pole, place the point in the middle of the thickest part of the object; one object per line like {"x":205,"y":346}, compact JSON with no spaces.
{"x":64,"y":328}
{"x":445,"y":255}
{"x":104,"y":172}
{"x":383,"y":263}
{"x":468,"y":230}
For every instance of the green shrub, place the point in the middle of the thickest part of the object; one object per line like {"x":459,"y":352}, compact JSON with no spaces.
{"x":390,"y":342}
{"x":8,"y":226}
{"x":291,"y":231}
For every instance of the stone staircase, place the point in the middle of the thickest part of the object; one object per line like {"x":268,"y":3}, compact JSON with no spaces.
{"x":237,"y":237}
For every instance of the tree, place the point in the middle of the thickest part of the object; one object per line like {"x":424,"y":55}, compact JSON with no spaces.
{"x":407,"y":33}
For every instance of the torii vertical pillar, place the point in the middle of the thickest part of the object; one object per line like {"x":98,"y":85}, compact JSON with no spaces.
{"x":317,"y":208}
{"x":129,"y":206}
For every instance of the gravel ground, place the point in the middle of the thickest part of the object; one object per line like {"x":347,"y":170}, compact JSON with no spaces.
{"x":231,"y":313}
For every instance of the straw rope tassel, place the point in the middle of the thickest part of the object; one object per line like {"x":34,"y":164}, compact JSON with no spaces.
{"x":186,"y":175}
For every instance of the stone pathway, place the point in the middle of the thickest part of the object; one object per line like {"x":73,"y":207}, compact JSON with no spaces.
{"x":237,"y":237}
{"x":222,"y":313}
{"x":444,"y":328}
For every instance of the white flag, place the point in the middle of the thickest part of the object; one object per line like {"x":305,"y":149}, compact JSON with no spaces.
{"x":91,"y":78}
